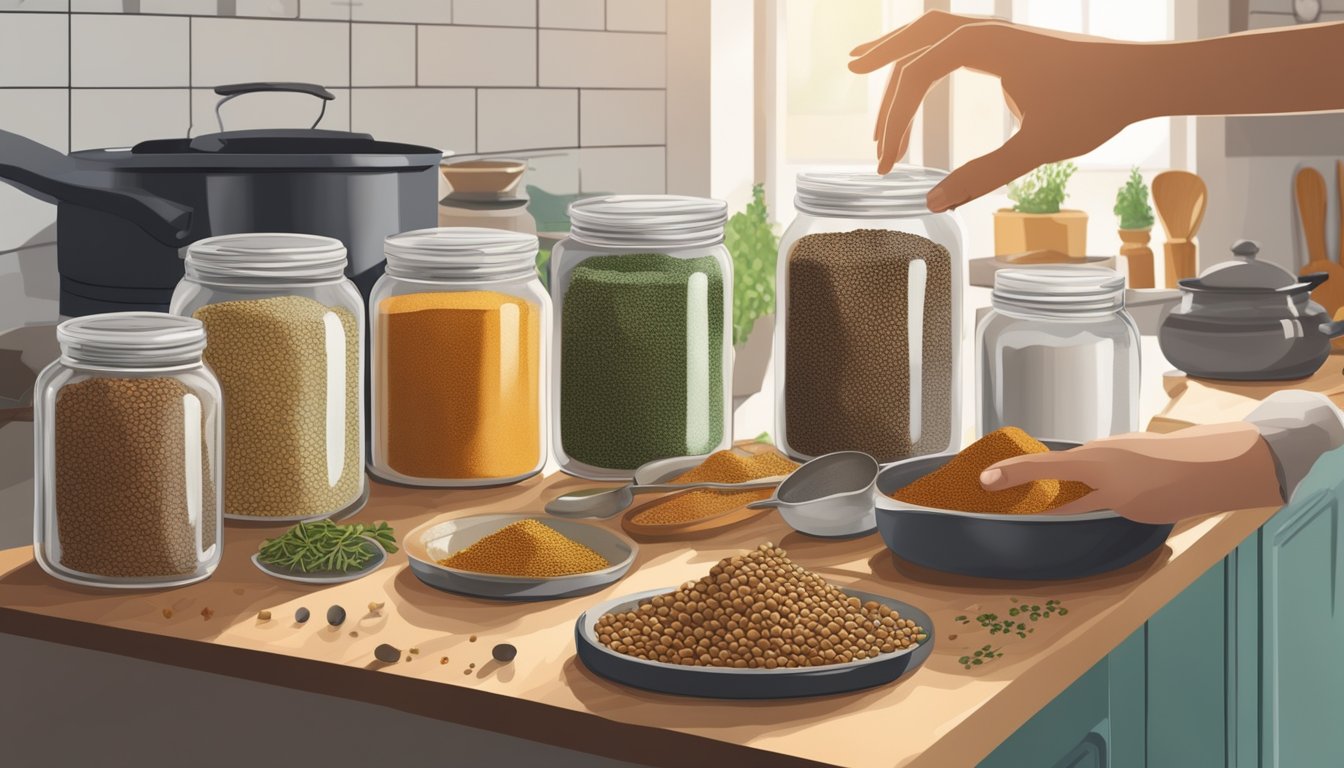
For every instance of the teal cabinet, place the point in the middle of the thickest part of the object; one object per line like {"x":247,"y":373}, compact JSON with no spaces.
{"x":1242,"y":669}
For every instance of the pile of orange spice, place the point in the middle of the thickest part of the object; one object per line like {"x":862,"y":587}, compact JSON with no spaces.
{"x":956,"y":485}
{"x":720,"y":467}
{"x":459,"y":377}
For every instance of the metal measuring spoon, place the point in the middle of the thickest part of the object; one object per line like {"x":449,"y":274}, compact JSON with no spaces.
{"x":830,"y":496}
{"x":609,"y":502}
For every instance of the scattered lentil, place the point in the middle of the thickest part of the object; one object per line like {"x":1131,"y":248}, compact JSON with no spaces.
{"x":167,"y":613}
{"x":636,"y":352}
{"x":122,"y":487}
{"x":264,"y":615}
{"x":459,"y":381}
{"x":504,"y":653}
{"x":526,"y":548}
{"x":760,"y":611}
{"x":443,"y":659}
{"x":718,"y":467}
{"x":387,"y":654}
{"x":413,"y":651}
{"x":354,"y":633}
{"x":335,"y":615}
{"x":956,"y":484}
{"x":301,"y":615}
{"x":847,"y":346}
{"x":375,"y":607}
{"x":473,"y":638}
{"x":270,"y":356}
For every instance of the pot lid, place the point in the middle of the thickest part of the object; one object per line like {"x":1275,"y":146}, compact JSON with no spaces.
{"x":1244,"y":272}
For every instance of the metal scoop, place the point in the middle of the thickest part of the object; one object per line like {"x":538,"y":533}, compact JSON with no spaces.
{"x":830,"y":496}
{"x":609,"y":502}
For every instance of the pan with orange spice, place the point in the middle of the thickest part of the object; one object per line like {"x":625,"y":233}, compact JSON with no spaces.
{"x":932,"y":512}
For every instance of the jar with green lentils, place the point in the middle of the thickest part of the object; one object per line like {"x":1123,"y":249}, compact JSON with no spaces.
{"x":868,"y":300}
{"x":127,"y":441}
{"x":643,"y":321}
{"x":286,"y":339}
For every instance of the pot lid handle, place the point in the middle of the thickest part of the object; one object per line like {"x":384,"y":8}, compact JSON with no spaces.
{"x":234,"y":90}
{"x":1245,"y":248}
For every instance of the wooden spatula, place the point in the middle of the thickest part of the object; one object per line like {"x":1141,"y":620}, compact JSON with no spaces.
{"x":1180,"y":197}
{"x":1309,"y":188}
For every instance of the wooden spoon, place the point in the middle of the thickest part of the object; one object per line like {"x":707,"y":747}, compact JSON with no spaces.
{"x":1180,"y":197}
{"x":1309,"y":188}
{"x":1338,"y":344}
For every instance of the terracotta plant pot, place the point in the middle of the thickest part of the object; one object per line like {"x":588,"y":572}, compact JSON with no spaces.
{"x":1135,"y":249}
{"x":751,"y":357}
{"x":1016,"y":232}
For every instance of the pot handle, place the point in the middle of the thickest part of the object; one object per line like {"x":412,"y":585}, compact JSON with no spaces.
{"x":234,"y":90}
{"x":1333,"y":329}
{"x":43,"y":172}
{"x":1314,"y":279}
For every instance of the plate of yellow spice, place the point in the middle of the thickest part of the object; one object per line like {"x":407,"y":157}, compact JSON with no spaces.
{"x":701,"y":510}
{"x":517,"y":557}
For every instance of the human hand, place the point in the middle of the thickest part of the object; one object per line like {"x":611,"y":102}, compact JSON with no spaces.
{"x":1067,"y":91}
{"x":1154,"y":478}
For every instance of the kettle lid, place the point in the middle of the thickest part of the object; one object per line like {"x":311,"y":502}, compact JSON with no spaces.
{"x":1244,"y":271}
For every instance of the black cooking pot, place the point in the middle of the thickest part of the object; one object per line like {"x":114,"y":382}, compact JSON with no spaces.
{"x":122,"y":214}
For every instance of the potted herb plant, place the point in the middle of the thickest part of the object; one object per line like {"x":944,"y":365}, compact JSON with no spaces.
{"x":751,"y":240}
{"x":1136,"y":227}
{"x":1036,"y":222}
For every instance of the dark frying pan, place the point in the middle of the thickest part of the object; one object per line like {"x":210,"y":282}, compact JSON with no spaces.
{"x":1036,"y":547}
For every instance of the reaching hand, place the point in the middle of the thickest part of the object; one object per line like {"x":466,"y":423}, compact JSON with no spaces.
{"x":1071,"y":93}
{"x":1154,"y":478}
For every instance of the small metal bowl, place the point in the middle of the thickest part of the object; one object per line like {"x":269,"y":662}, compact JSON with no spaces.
{"x":1038,"y":547}
{"x":830,"y":496}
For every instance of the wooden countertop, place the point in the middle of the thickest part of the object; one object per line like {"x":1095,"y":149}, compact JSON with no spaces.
{"x":940,"y":715}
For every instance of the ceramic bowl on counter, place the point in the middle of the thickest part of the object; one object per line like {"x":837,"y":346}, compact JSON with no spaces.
{"x":1038,"y":547}
{"x":1248,"y":320}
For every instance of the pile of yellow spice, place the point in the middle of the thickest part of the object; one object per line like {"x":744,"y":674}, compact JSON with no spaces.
{"x":720,"y":467}
{"x":527,"y":548}
{"x":956,"y":484}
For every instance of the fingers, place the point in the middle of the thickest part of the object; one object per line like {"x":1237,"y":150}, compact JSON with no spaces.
{"x":961,"y":48}
{"x":924,"y":31}
{"x":1039,"y":466}
{"x":893,"y":81}
{"x":1018,"y":155}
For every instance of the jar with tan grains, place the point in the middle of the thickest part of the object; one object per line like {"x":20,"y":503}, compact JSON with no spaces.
{"x":128,"y":449}
{"x":286,"y":339}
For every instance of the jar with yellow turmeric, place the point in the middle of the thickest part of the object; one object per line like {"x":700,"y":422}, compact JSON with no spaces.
{"x":461,"y":329}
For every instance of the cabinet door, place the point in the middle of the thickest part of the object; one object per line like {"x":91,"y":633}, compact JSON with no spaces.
{"x":1302,"y":624}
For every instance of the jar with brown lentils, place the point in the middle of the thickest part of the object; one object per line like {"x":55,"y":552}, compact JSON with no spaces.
{"x":286,"y":339}
{"x":867,"y":341}
{"x":128,"y":446}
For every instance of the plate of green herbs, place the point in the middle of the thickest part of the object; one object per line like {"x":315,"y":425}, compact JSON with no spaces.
{"x":323,"y":552}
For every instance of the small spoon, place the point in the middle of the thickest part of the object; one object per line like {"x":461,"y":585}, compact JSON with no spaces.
{"x":608,"y":502}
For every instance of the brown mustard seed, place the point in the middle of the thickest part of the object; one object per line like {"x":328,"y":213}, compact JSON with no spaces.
{"x":375,"y":607}
{"x":264,"y":615}
{"x":473,"y":638}
{"x":167,"y":613}
{"x":206,"y":613}
{"x":758,"y":611}
{"x":847,"y":349}
{"x":353,"y":633}
{"x":443,"y":660}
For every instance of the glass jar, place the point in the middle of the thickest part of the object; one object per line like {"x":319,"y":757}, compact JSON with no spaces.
{"x":1058,"y":355}
{"x":286,"y":339}
{"x":461,"y":338}
{"x":869,"y":304}
{"x":127,"y":454}
{"x":643,"y":333}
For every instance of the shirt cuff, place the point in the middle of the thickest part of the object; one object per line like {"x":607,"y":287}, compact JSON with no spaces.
{"x":1299,"y":427}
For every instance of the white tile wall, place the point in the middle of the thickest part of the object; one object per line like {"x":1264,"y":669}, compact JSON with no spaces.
{"x":34,"y":5}
{"x":557,"y":172}
{"x":637,"y":15}
{"x":34,"y":49}
{"x":482,"y":56}
{"x":243,"y":50}
{"x":636,"y":170}
{"x":267,"y":110}
{"x":601,"y":59}
{"x":282,"y":9}
{"x":508,"y":13}
{"x":522,"y":118}
{"x":129,"y":51}
{"x":328,"y":9}
{"x":122,"y":117}
{"x":40,"y":114}
{"x":422,"y":11}
{"x":616,"y":117}
{"x":443,"y":118}
{"x":382,"y":54}
{"x":183,"y":7}
{"x":572,"y":14}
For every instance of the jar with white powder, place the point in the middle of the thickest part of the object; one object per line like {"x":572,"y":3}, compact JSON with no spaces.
{"x":1058,"y":355}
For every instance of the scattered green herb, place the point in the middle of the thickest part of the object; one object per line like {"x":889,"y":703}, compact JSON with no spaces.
{"x":325,"y":546}
{"x":987,"y":653}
